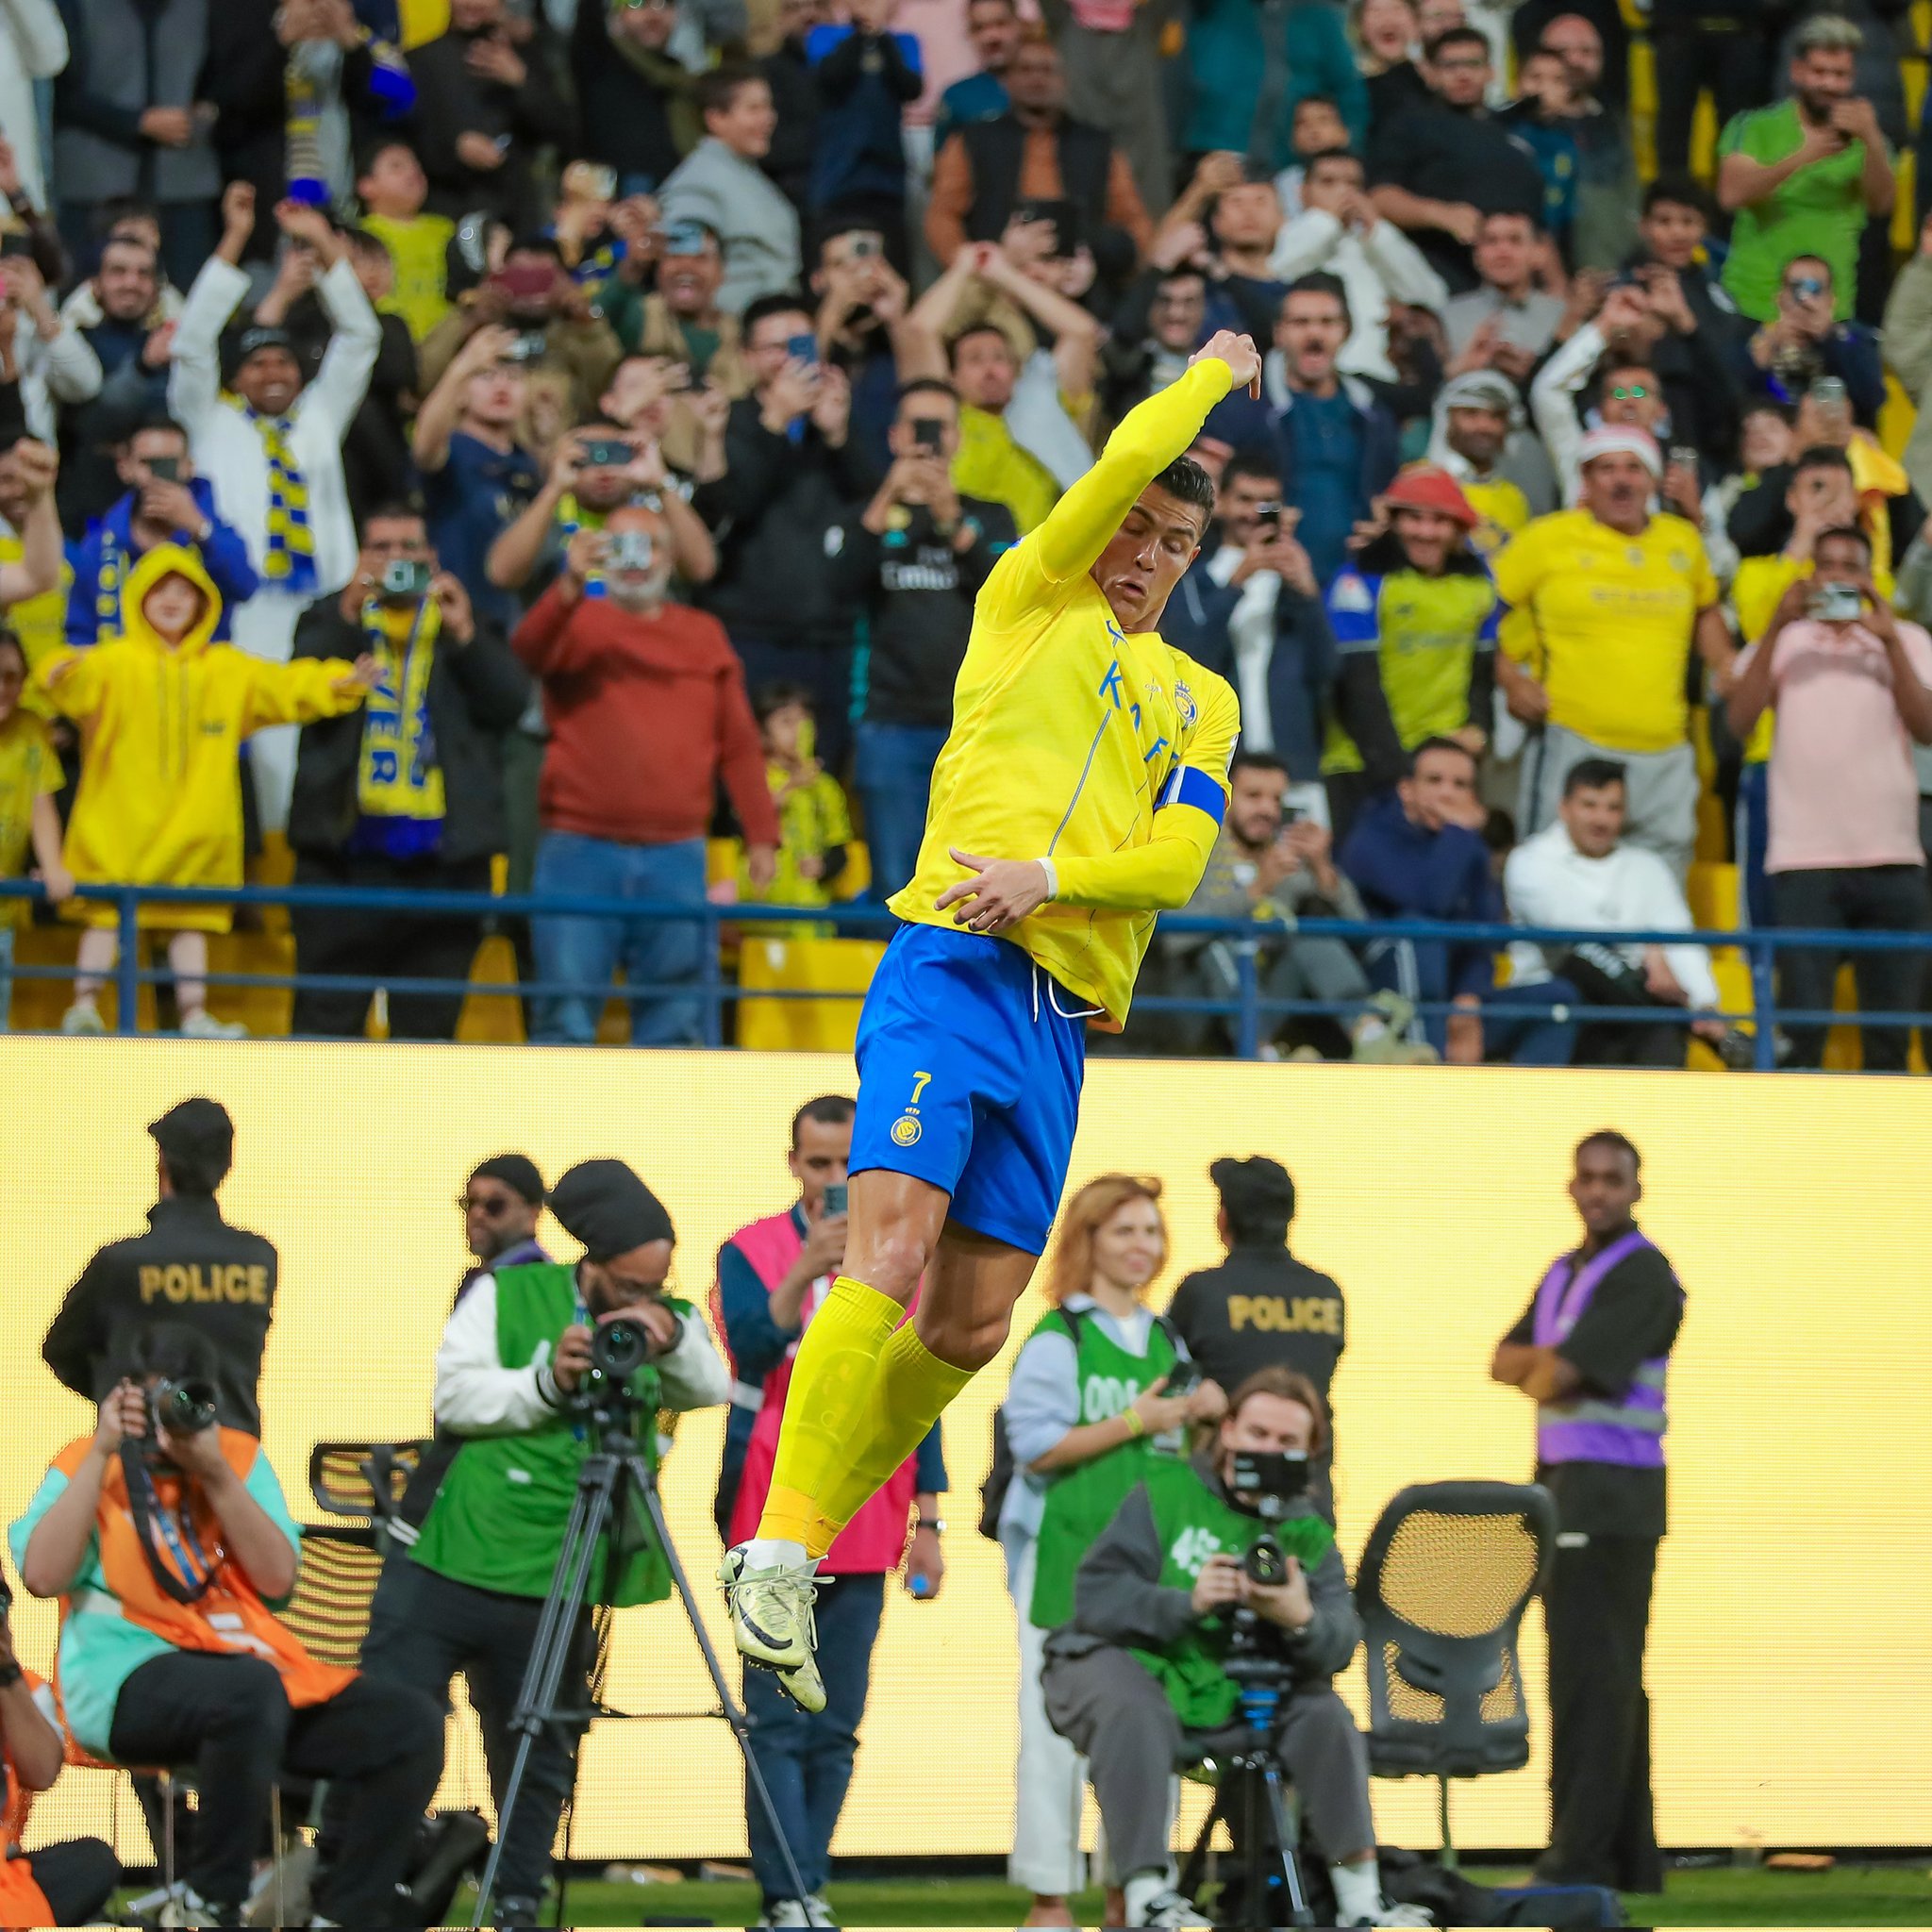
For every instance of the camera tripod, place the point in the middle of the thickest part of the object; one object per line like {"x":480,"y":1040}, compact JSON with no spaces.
{"x":1253,"y":1804}
{"x":614,"y":1480}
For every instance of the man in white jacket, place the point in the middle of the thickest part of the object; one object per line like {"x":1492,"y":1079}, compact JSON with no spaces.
{"x":1338,"y":231}
{"x":273,"y":449}
{"x":1578,"y":873}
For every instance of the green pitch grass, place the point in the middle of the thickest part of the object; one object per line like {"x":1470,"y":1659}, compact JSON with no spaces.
{"x":1889,"y":1894}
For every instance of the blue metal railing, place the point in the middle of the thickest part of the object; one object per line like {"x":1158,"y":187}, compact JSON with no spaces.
{"x":1246,"y":1011}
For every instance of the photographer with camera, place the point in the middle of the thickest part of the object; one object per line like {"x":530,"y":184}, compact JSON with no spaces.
{"x":1211,"y":1566}
{"x":191,"y":1267}
{"x":169,"y":1543}
{"x":522,"y":1347}
{"x":66,"y":1884}
{"x":405,"y":794}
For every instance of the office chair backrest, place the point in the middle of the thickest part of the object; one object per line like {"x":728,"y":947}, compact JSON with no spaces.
{"x":1444,"y":1582}
{"x":364,"y":1481}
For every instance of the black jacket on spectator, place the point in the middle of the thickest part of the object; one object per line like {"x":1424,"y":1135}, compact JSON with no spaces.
{"x":795,"y":96}
{"x":378,"y":466}
{"x":997,"y":151}
{"x":782,"y":502}
{"x":190,"y":1267}
{"x":1848,"y":350}
{"x":917,"y":592}
{"x":1697,"y":376}
{"x":1301,"y":667}
{"x":1450,"y":154}
{"x":1261,"y":1309}
{"x":129,"y":393}
{"x":1760,"y":525}
{"x":631,"y":119}
{"x":477,"y":691}
{"x":451,"y":101}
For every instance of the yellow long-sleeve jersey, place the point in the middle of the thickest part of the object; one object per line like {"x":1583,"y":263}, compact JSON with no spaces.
{"x":1103,"y":751}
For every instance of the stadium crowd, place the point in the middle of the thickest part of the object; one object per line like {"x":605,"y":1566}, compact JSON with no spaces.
{"x":552,"y":434}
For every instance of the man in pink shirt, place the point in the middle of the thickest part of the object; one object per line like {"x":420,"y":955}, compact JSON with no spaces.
{"x":1849,"y":683}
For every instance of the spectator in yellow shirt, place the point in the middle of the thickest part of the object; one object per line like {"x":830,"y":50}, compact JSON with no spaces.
{"x":29,"y":779}
{"x":393,"y":189}
{"x":1616,"y":597}
{"x":814,"y":821}
{"x":163,"y":711}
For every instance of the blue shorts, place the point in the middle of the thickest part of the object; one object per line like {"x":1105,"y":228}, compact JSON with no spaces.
{"x":969,"y":1078}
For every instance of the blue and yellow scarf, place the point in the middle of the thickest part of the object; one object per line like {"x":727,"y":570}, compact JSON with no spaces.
{"x":399,"y":788}
{"x":290,"y":564}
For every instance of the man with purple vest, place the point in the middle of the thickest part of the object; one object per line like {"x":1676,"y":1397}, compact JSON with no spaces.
{"x":1592,"y":1351}
{"x":771,"y":1276}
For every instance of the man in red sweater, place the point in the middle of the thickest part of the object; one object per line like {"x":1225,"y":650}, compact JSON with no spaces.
{"x":647,"y":710}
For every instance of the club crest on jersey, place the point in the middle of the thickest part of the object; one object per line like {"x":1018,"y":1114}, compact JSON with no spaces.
{"x":1184,"y":702}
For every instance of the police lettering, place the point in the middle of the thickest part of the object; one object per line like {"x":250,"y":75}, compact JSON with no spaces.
{"x":192,"y":1281}
{"x":1307,"y":1314}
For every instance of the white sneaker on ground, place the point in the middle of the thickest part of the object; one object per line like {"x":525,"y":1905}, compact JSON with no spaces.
{"x":83,"y":1016}
{"x":202,"y":1025}
{"x":773,"y":1624}
{"x":799,"y":1912}
{"x":1152,"y":1902}
{"x":820,"y":1907}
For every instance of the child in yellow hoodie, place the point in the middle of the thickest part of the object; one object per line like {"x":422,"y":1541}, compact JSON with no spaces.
{"x":163,"y":714}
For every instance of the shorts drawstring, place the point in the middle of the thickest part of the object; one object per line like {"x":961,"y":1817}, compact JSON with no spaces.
{"x":1053,"y":998}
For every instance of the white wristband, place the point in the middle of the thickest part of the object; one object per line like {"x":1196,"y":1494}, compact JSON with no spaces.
{"x":1052,"y":878}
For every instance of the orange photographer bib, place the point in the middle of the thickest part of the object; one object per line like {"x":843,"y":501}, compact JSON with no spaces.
{"x":229,"y":1616}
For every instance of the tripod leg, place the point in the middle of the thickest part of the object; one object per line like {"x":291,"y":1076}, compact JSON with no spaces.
{"x":1285,"y":1837}
{"x":645,"y":1481}
{"x":551,"y":1648}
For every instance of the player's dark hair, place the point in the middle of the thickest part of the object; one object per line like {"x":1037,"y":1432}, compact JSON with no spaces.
{"x":1608,"y":1137}
{"x":717,"y":90}
{"x":769,"y":698}
{"x":1676,"y":191}
{"x":1592,"y":774}
{"x":1319,"y":282}
{"x":1185,"y":479}
{"x":927,"y":386}
{"x":784,"y":302}
{"x":1459,"y":37}
{"x":1328,"y":153}
{"x":966,"y":335}
{"x":827,"y":1111}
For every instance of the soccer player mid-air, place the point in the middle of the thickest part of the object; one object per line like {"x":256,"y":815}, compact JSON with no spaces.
{"x":1079,"y":792}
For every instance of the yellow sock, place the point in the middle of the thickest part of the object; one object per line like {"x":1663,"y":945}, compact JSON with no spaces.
{"x":828,"y":1407}
{"x":912,"y":1389}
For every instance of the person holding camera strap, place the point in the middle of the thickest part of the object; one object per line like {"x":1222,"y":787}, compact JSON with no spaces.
{"x":407,"y":794}
{"x":1141,"y":1668}
{"x":469,"y":1592}
{"x":169,"y":1543}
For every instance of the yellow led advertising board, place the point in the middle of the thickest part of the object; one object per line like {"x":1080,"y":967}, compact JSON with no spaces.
{"x":1791,"y":1659}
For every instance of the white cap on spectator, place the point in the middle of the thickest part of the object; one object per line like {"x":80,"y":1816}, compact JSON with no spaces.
{"x":1614,"y":438}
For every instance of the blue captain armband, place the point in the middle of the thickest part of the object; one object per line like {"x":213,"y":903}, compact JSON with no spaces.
{"x":1187,"y":786}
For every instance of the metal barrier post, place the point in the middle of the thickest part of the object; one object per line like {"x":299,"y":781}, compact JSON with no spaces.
{"x":127,"y":963}
{"x":1247,"y":1034}
{"x":1764,"y":1004}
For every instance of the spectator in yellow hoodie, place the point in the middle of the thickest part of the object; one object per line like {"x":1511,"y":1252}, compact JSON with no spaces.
{"x":163,"y":714}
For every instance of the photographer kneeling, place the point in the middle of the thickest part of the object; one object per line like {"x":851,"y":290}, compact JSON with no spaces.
{"x":1139,"y":1670}
{"x":468,"y":1593}
{"x":169,"y":1546}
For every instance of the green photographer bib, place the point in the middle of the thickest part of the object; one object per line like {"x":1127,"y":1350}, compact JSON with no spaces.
{"x":1194,"y":1523}
{"x":1081,"y":1503}
{"x":498,"y":1519}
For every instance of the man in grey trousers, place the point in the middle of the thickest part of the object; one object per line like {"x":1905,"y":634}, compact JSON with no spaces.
{"x":1136,"y":1677}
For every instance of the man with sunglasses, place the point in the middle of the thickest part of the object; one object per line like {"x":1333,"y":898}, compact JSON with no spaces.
{"x":1805,"y":345}
{"x":502,"y":1202}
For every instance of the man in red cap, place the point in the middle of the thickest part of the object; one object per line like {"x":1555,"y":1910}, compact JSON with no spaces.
{"x":1414,"y":616}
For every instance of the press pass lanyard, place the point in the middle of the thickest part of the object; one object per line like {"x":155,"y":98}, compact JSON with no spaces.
{"x":192,"y":1574}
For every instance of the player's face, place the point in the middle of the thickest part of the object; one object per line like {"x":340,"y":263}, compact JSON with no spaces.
{"x":1147,"y":556}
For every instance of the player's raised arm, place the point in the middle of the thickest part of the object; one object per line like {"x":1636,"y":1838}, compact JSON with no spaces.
{"x":1148,"y":439}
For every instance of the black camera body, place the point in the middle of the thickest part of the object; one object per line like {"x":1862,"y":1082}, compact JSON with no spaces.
{"x":183,"y":1408}
{"x":619,"y":1348}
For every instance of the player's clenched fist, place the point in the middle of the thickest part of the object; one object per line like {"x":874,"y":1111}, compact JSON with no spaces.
{"x":1240,"y":354}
